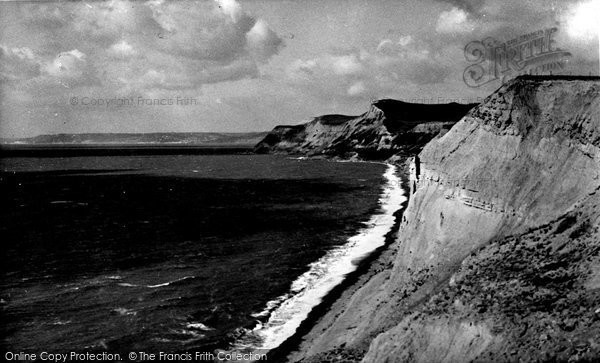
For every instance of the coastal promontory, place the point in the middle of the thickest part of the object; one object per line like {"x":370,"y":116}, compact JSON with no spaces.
{"x":497,"y":255}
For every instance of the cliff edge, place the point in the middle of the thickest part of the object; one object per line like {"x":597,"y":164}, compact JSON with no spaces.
{"x":497,"y":257}
{"x":389,"y":127}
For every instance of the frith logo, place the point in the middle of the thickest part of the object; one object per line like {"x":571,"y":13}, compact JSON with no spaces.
{"x":532,"y":53}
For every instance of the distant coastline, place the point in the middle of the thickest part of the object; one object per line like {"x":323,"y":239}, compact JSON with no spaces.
{"x":74,"y":150}
{"x":130,"y":144}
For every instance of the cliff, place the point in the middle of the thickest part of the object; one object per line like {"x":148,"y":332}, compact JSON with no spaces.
{"x":497,"y":257}
{"x":389,"y":127}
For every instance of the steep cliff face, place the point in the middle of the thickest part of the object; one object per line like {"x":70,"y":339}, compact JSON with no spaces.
{"x":388,"y":127}
{"x":498,"y":254}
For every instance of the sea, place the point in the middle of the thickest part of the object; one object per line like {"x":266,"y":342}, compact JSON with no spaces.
{"x":180,"y":253}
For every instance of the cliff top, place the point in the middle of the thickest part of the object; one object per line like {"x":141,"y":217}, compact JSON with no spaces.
{"x":334,"y":119}
{"x":558,"y":78}
{"x":400,"y":116}
{"x":546,"y":105}
{"x":422,"y":112}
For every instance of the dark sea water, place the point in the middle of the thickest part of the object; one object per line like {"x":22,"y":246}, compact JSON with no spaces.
{"x":164,"y":253}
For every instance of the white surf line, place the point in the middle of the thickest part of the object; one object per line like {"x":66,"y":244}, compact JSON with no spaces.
{"x":127,"y":284}
{"x":287,"y":312}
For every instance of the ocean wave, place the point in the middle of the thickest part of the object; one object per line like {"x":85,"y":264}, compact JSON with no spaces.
{"x":170,"y":282}
{"x":185,"y":336}
{"x":286,"y":313}
{"x":127,"y":284}
{"x":61,"y":322}
{"x":199,"y":326}
{"x":125,"y":312}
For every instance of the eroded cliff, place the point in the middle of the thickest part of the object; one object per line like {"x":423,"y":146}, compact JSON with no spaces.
{"x":497,"y":257}
{"x":387,"y":128}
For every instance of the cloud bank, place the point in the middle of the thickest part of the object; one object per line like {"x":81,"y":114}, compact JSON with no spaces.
{"x":137,"y":45}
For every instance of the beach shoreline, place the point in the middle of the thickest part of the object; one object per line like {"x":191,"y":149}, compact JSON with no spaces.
{"x":369,"y":266}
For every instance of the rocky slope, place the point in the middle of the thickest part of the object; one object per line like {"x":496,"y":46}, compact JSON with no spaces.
{"x":497,"y":257}
{"x":389,"y":127}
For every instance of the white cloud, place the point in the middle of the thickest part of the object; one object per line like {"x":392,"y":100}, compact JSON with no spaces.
{"x":357,"y":89}
{"x":346,"y":65}
{"x":122,"y":49}
{"x":341,"y":66}
{"x":231,"y":8}
{"x":454,"y":20}
{"x":68,"y":65}
{"x":32,"y":72}
{"x":405,"y":40}
{"x":262,"y":41}
{"x":18,"y":64}
{"x":386,"y":47}
{"x":581,"y":20}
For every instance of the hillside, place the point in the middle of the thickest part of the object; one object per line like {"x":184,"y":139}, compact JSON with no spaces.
{"x":497,"y":257}
{"x":389,"y":127}
{"x":181,"y":138}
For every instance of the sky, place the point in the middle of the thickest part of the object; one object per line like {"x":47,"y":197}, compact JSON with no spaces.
{"x":248,"y":65}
